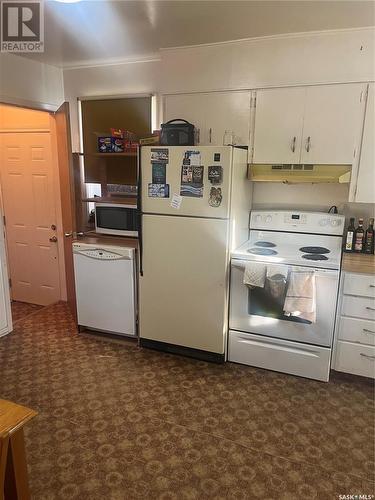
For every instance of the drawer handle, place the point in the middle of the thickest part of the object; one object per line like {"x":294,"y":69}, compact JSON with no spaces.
{"x":367,"y":356}
{"x":372,"y":286}
{"x":368,"y":331}
{"x":370,"y":308}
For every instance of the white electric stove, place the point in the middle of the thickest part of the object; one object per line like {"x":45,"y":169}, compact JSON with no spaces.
{"x":284,"y":245}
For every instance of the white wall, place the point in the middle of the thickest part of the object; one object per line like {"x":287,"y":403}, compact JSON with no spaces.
{"x":319,"y":197}
{"x":114,"y":79}
{"x":325,"y":57}
{"x":30,"y":83}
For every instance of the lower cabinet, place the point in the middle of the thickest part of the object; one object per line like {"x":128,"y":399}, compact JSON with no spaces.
{"x":355,"y":339}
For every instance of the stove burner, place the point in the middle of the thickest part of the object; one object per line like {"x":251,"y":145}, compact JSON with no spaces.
{"x":264,"y":244}
{"x":262,"y":251}
{"x":314,"y":256}
{"x":319,"y":250}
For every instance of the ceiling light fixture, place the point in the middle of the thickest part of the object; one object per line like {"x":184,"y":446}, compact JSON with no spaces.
{"x":67,"y":1}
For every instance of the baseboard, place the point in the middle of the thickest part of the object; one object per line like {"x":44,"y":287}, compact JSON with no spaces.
{"x":189,"y":352}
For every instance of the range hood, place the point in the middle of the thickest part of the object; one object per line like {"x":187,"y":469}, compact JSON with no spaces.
{"x":299,"y":173}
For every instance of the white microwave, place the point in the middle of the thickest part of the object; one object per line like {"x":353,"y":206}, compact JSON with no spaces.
{"x":116,"y":219}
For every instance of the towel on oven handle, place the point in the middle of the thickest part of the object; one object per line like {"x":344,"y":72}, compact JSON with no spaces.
{"x":255,"y":274}
{"x":300,"y":297}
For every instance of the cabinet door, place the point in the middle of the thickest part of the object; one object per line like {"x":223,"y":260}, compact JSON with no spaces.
{"x":190,"y":107}
{"x":332,"y":123}
{"x":228,"y":111}
{"x":278,"y":125}
{"x":366,"y":174}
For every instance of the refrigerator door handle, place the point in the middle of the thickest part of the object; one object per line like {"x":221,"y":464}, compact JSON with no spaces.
{"x":140,"y":220}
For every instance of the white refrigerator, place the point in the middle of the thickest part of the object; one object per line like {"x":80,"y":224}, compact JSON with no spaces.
{"x":195,"y":204}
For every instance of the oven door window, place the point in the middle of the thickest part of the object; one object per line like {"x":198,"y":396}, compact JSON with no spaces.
{"x":123,"y":219}
{"x":269,"y":301}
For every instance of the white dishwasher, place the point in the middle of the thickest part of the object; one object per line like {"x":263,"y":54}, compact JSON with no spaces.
{"x":105,"y":287}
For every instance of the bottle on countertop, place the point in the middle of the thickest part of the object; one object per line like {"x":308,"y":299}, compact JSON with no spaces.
{"x":349,"y":240}
{"x":369,"y":238}
{"x":359,"y":237}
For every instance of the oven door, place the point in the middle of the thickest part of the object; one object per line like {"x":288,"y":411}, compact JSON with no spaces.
{"x":260,"y":310}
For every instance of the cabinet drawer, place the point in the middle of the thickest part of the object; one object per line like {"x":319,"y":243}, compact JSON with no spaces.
{"x":359,"y":307}
{"x":357,"y":330}
{"x":279,"y":355}
{"x":359,"y":284}
{"x":355,"y":358}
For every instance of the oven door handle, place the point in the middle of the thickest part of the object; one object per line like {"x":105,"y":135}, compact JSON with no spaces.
{"x":242,"y":265}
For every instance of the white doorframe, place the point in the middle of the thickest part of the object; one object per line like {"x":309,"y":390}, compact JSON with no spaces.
{"x":4,"y":267}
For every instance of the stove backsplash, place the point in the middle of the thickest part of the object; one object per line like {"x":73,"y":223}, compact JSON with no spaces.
{"x":308,"y":197}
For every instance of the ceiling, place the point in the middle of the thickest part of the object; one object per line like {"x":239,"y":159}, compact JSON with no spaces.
{"x":103,"y":31}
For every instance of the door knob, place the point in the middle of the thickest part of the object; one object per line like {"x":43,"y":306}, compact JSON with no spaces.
{"x":53,"y":239}
{"x":68,"y":235}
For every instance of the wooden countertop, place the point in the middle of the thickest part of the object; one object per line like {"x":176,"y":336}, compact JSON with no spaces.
{"x":100,"y":239}
{"x":13,"y":416}
{"x":358,"y":263}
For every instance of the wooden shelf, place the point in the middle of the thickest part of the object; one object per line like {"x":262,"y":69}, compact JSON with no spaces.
{"x":127,"y":154}
{"x":129,"y":200}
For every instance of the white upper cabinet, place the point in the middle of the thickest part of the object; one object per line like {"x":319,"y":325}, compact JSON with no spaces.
{"x":212,"y":114}
{"x":278,"y":125}
{"x":188,"y":107}
{"x":366,"y":174}
{"x":317,"y":124}
{"x":228,"y":111}
{"x":332,"y":123}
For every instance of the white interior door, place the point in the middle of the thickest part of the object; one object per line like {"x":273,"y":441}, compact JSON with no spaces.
{"x":278,"y":125}
{"x":183,"y":292}
{"x":26,"y":174}
{"x":5,"y":313}
{"x":332,"y":124}
{"x":366,"y":174}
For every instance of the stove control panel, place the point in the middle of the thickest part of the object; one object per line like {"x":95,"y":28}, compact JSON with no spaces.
{"x":302,"y":222}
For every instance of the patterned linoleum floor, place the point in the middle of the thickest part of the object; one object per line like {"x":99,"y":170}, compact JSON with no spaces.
{"x":22,"y":309}
{"x":126,"y":423}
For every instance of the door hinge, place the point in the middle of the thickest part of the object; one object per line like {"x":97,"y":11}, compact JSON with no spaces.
{"x":10,"y":282}
{"x":253,"y":101}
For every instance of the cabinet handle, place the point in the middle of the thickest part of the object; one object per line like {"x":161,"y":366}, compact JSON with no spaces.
{"x":370,"y":308}
{"x":367,"y":356}
{"x":372,"y":286}
{"x":293,"y":146}
{"x":308,"y":144}
{"x":370,"y":332}
{"x":210,"y":135}
{"x":198,"y":135}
